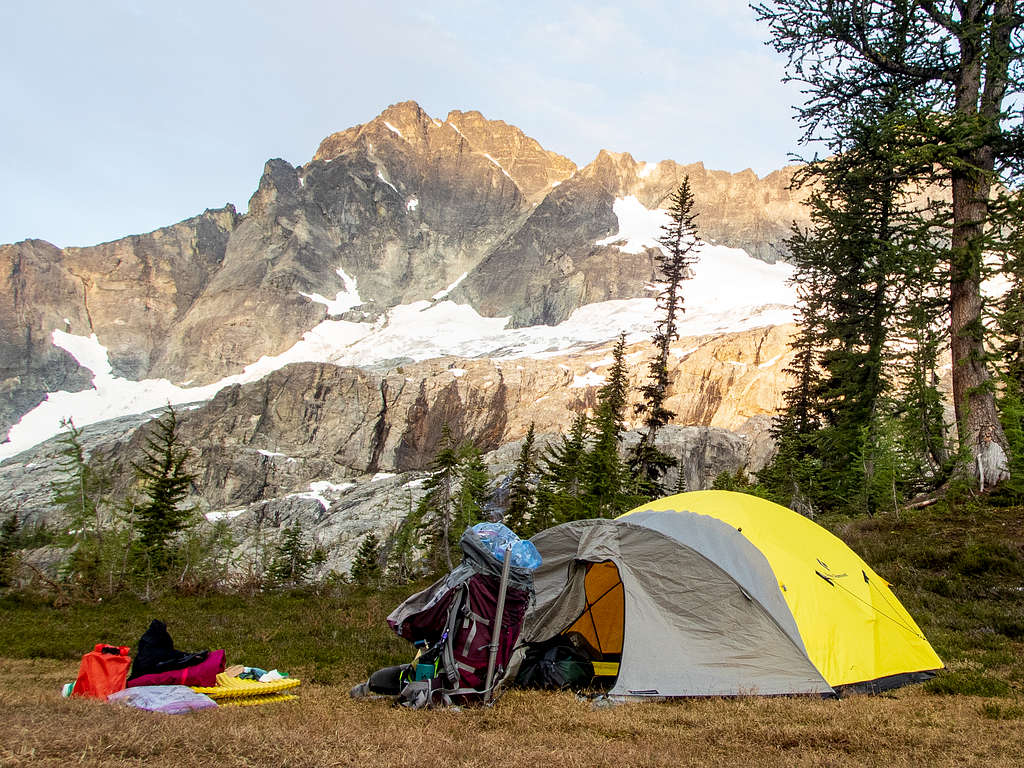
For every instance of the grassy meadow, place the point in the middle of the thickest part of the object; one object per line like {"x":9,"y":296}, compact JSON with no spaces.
{"x":959,"y":570}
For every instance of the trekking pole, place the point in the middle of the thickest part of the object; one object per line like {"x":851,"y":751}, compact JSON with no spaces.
{"x":496,"y":634}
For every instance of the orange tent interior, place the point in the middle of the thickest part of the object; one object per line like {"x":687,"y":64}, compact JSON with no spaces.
{"x":603,"y":619}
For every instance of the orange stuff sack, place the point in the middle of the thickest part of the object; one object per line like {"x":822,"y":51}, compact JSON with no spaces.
{"x":103,"y":671}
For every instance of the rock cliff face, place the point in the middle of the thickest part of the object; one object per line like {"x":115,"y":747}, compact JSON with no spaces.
{"x":552,"y":264}
{"x":343,"y":451}
{"x":131,"y":293}
{"x":311,"y":422}
{"x":403,"y":205}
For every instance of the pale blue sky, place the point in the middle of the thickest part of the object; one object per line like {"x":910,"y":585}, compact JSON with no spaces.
{"x":122,"y":116}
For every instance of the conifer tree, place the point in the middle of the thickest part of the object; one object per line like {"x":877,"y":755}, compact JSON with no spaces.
{"x":293,"y":558}
{"x":8,"y":547}
{"x":165,"y":483}
{"x":366,"y":565}
{"x":561,"y":487}
{"x":917,"y":405}
{"x":680,"y":486}
{"x":474,"y":491}
{"x":82,"y":494}
{"x":521,"y":495}
{"x":1010,"y":324}
{"x":456,"y":497}
{"x":853,"y":274}
{"x":437,"y":507}
{"x":789,"y":476}
{"x":607,"y":488}
{"x":958,"y":67}
{"x":675,"y":260}
{"x":1010,"y":306}
{"x":401,"y":565}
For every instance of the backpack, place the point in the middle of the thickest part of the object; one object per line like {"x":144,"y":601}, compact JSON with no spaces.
{"x":556,"y":663}
{"x":454,"y":619}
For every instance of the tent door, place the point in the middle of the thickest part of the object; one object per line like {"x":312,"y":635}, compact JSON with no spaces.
{"x":602,"y":622}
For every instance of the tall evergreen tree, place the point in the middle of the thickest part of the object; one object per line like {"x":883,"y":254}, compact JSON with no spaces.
{"x":8,"y":548}
{"x":82,"y":495}
{"x":474,"y":490}
{"x":456,"y":497}
{"x":1010,"y":306}
{"x":675,"y":261}
{"x":959,"y":67}
{"x":293,"y":558}
{"x":853,"y":274}
{"x":165,"y":483}
{"x":1010,"y":325}
{"x":521,"y":494}
{"x":680,"y":486}
{"x":437,"y":507}
{"x":560,"y":489}
{"x":608,"y":491}
{"x":917,"y":404}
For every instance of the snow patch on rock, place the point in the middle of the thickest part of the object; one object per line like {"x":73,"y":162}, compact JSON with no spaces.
{"x":589,"y":379}
{"x":442,"y":294}
{"x":343,"y":301}
{"x":639,"y":227}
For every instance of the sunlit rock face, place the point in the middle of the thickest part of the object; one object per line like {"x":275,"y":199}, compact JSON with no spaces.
{"x":312,"y":423}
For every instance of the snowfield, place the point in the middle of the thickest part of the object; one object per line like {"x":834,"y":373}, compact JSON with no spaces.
{"x":730,"y":291}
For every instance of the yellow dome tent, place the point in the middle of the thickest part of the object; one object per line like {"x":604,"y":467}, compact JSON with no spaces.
{"x":722,"y":593}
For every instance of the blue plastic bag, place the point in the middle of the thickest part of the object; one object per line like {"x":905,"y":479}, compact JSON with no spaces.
{"x":499,"y":538}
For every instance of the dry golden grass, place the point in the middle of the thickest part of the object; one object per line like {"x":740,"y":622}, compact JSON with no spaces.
{"x":326,"y":728}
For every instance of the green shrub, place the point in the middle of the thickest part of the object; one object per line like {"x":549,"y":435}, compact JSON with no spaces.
{"x":967,"y":683}
{"x":990,"y":558}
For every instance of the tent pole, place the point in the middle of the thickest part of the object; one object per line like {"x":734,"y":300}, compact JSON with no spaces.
{"x":499,"y":615}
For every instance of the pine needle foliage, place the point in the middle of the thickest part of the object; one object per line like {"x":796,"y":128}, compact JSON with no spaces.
{"x":82,"y":495}
{"x":860,"y":421}
{"x":164,"y":484}
{"x":1010,"y":325}
{"x":675,"y":261}
{"x":522,"y":495}
{"x":366,"y":567}
{"x":456,"y":497}
{"x":562,"y":468}
{"x":938,"y":85}
{"x":294,"y":559}
{"x":9,"y":544}
{"x":608,"y":488}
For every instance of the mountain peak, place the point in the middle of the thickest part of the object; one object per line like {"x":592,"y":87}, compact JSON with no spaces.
{"x":533,"y":169}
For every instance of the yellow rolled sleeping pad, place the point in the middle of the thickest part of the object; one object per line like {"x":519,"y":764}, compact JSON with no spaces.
{"x":236,"y":691}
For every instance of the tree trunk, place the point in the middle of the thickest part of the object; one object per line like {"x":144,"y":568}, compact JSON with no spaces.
{"x":981,"y":434}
